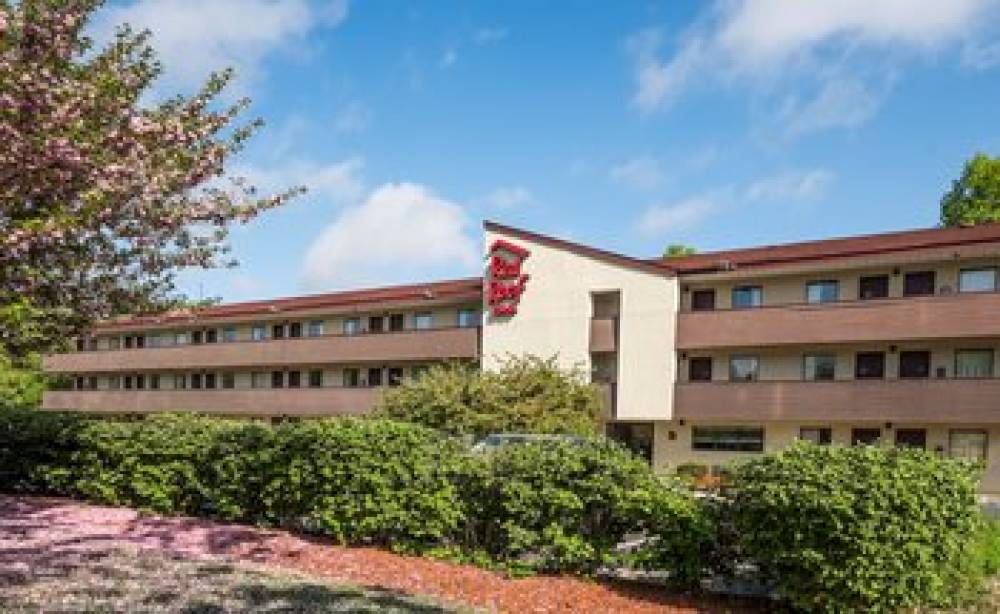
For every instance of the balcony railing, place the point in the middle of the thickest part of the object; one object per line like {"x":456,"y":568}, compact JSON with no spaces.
{"x":952,"y":316}
{"x":919,"y":400}
{"x":429,"y":344}
{"x":330,"y":401}
{"x":603,"y":335}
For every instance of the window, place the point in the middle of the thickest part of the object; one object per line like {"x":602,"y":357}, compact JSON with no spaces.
{"x":140,"y":382}
{"x":397,"y":322}
{"x":114,"y":382}
{"x":196,"y":381}
{"x":968,"y":443}
{"x":743,"y":368}
{"x":977,"y":280}
{"x":375,"y":376}
{"x":703,"y":300}
{"x":974,"y":363}
{"x":278,"y":331}
{"x":376,"y":324}
{"x":822,"y":291}
{"x":636,"y":436}
{"x":114,"y":343}
{"x":258,"y":332}
{"x":911,"y":438}
{"x":316,"y":328}
{"x":79,"y":383}
{"x":128,"y":382}
{"x":128,"y":342}
{"x":914,"y":364}
{"x":352,"y":326}
{"x":728,"y":438}
{"x":229,"y":334}
{"x":92,"y":382}
{"x":745,"y":297}
{"x":869,"y":365}
{"x":819,"y":435}
{"x":140,"y":341}
{"x":919,"y":284}
{"x":258,"y":380}
{"x":211,"y":335}
{"x":819,"y":367}
{"x":395,"y":376}
{"x":700,"y":369}
{"x":352,"y":377}
{"x":229,"y":380}
{"x":423,"y":321}
{"x":154,"y":382}
{"x":873,"y":286}
{"x":210,"y":381}
{"x":81,"y":345}
{"x":196,"y":337}
{"x":294,"y":379}
{"x":92,"y":344}
{"x":180,"y":338}
{"x":865,"y":437}
{"x":180,"y":381}
{"x":277,"y":379}
{"x":295,"y":330}
{"x":316,"y":378}
{"x":468,"y":318}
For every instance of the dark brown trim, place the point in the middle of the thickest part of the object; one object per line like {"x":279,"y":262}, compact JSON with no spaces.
{"x":580,"y":249}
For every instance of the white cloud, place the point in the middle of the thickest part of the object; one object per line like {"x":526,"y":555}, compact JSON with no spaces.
{"x":679,"y":216}
{"x":978,"y":55}
{"x":448,"y":58}
{"x":785,"y":44}
{"x":353,"y":118}
{"x":337,"y":182}
{"x":401,"y":232}
{"x":790,"y":186}
{"x":195,"y":37}
{"x":489,"y":35}
{"x":842,"y":102}
{"x":641,"y":173}
{"x":509,"y":196}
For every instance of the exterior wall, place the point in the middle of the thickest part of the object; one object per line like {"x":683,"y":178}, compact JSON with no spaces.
{"x":555,"y":314}
{"x":669,"y":453}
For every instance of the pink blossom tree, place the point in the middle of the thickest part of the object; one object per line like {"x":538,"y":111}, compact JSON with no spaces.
{"x":103,"y":197}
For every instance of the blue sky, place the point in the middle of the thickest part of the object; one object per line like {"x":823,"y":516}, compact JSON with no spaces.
{"x":627,"y":125}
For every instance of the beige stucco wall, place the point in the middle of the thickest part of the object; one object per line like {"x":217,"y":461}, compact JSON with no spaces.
{"x":554,"y":319}
{"x":669,"y":453}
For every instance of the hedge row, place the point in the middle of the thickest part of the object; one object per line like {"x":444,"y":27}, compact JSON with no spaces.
{"x":555,"y":508}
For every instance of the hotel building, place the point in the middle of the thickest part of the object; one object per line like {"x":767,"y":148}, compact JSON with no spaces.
{"x":888,"y":338}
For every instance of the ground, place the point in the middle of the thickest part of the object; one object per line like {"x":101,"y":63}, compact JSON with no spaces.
{"x":65,"y":556}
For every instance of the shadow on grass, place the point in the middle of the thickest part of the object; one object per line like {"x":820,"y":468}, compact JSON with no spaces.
{"x":144,"y":581}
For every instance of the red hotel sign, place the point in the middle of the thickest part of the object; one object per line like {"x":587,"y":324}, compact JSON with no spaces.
{"x":506,"y":281}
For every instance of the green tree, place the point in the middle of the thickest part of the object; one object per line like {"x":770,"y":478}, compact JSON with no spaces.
{"x":21,"y":384}
{"x":676,"y":250}
{"x":974,"y":197}
{"x":103,"y":198}
{"x":526,"y":394}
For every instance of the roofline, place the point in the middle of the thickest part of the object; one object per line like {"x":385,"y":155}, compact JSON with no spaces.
{"x":725,"y":254}
{"x":581,"y":250}
{"x":293,"y":304}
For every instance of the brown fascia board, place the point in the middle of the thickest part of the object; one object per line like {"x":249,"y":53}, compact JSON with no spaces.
{"x":586,"y":251}
{"x":832,"y":249}
{"x":456,"y":289}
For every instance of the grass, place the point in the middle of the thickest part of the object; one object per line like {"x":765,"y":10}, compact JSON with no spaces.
{"x":150,"y":582}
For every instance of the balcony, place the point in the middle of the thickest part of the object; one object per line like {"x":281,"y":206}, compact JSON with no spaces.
{"x":244,"y":402}
{"x":603,"y":335}
{"x":954,"y":316}
{"x":932,"y":400}
{"x":432,"y":344}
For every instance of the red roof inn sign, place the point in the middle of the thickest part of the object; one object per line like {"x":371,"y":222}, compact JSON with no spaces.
{"x":507,"y":281}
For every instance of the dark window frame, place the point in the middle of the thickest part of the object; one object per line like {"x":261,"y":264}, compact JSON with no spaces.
{"x":823,"y":282}
{"x":708,"y":304}
{"x":700,"y":442}
{"x":919,"y":288}
{"x":882,"y":287}
{"x":857,"y":365}
{"x":924,"y":367}
{"x":693,"y":368}
{"x":738,"y":289}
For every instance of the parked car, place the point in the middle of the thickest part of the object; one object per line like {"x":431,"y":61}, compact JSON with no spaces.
{"x":495,"y":441}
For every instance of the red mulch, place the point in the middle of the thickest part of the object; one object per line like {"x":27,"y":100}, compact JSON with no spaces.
{"x":31,"y":528}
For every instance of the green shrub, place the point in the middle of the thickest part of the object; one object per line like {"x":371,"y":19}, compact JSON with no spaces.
{"x":986,"y":549}
{"x":859,"y":529}
{"x":691,"y":471}
{"x":36,"y":451}
{"x":525,"y":395}
{"x":564,"y":506}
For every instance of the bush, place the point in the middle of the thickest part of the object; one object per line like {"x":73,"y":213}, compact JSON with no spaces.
{"x":564,"y":506}
{"x":525,"y":395}
{"x":36,"y":451}
{"x":859,"y":529}
{"x":986,"y":550}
